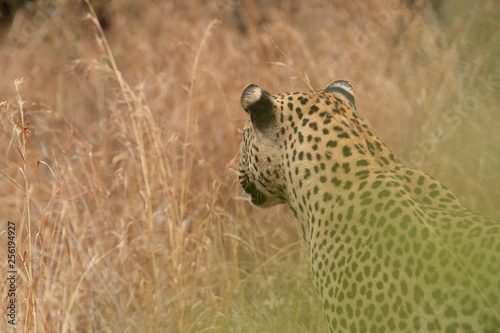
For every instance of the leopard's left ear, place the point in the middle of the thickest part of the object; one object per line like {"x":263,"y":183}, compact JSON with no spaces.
{"x":343,"y":88}
{"x":258,"y":103}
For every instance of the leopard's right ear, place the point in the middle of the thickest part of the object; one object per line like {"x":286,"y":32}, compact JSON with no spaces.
{"x":342,"y":87}
{"x":258,"y":103}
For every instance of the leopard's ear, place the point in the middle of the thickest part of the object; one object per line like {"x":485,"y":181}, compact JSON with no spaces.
{"x":258,"y":103}
{"x":343,"y":88}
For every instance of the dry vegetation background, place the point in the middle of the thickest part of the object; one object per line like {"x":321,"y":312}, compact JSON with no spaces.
{"x":118,"y":155}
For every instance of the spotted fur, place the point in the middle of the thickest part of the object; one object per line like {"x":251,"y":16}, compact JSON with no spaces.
{"x":392,"y":250}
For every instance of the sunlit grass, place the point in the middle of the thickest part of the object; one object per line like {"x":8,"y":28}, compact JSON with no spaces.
{"x":119,"y":149}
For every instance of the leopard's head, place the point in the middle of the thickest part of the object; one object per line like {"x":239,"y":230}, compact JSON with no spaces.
{"x":261,"y":161}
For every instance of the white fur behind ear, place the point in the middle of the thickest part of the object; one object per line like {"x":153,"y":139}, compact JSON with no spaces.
{"x":250,"y":95}
{"x":343,"y":88}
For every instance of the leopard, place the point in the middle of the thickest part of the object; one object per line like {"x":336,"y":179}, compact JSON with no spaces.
{"x":391,"y":249}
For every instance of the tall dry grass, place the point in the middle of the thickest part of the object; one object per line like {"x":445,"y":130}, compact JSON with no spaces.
{"x":119,"y":149}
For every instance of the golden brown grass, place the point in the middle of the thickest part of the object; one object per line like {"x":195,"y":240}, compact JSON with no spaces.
{"x":118,"y":150}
